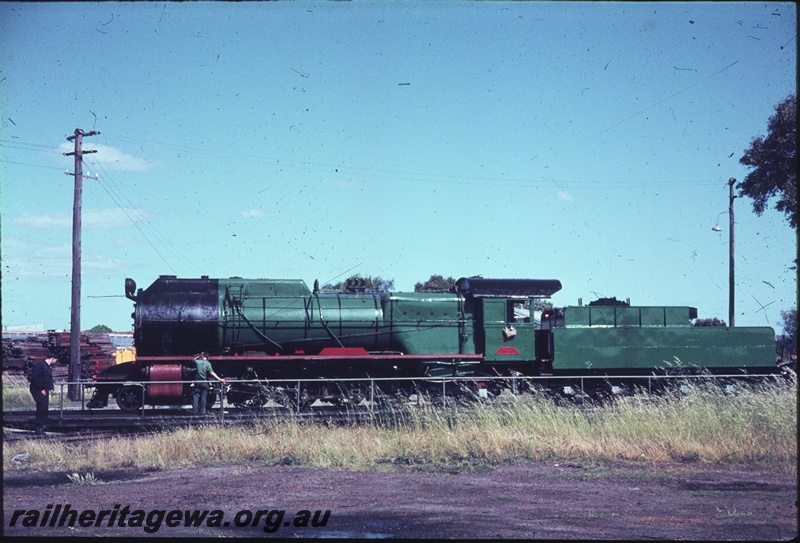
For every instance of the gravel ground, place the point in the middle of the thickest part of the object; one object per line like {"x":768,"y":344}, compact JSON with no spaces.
{"x":532,"y":500}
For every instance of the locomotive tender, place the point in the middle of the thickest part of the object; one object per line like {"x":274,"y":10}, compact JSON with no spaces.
{"x":276,"y":330}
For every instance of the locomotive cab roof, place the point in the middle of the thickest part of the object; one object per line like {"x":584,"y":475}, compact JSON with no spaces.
{"x":478,"y":287}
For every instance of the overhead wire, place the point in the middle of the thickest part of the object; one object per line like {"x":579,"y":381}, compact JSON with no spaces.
{"x":398,"y":175}
{"x":29,"y":164}
{"x":143,"y":225}
{"x":136,"y":217}
{"x":27,"y":146}
{"x":117,"y":195}
{"x":139,"y":218}
{"x":135,"y":223}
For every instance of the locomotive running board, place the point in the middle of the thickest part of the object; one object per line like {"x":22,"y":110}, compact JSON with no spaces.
{"x":330,"y":355}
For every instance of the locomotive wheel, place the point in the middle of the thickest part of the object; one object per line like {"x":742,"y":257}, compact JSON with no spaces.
{"x":129,"y":398}
{"x":253,"y":402}
{"x":256,"y":396}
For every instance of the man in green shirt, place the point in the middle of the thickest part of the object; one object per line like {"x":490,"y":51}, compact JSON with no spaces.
{"x":201,"y":384}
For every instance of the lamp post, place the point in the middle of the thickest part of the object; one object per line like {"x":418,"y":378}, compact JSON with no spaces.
{"x":716,"y":228}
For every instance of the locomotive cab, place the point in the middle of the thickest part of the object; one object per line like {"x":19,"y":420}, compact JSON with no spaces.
{"x":505,"y":326}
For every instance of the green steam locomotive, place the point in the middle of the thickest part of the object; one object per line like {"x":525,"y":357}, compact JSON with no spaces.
{"x":274,"y":330}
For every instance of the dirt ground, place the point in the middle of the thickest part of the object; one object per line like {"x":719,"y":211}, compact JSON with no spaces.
{"x":534,"y":500}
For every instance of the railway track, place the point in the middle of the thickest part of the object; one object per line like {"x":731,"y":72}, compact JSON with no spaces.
{"x":90,"y":424}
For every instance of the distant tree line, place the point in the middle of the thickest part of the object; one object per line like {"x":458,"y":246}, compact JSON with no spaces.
{"x":436,"y":283}
{"x":377,"y":284}
{"x":709,"y":322}
{"x":357,"y":283}
{"x":612,"y":302}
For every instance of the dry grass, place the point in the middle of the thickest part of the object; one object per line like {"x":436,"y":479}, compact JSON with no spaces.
{"x":16,"y":394}
{"x":750,"y":427}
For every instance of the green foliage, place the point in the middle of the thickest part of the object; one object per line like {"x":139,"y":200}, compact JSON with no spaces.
{"x":789,"y":338}
{"x":709,"y":322}
{"x":100,"y":329}
{"x":790,"y":324}
{"x":608,"y":302}
{"x":436,"y":283}
{"x":774,"y":160}
{"x":541,"y":305}
{"x":357,"y":283}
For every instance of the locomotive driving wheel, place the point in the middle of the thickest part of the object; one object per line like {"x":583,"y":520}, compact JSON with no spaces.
{"x":257,"y":395}
{"x":129,"y":398}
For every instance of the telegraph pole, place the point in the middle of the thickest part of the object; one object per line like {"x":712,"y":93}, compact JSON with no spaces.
{"x":731,"y":312}
{"x":74,"y":390}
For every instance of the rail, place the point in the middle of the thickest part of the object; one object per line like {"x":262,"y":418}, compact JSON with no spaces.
{"x":513,"y":384}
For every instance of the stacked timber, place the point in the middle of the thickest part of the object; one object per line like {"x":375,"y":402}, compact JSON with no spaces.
{"x":20,"y":354}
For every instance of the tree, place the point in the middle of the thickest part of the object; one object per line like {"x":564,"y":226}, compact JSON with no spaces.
{"x":357,"y":283}
{"x":610,"y":302}
{"x":790,"y":323}
{"x":436,"y":283}
{"x":774,"y":160}
{"x":542,"y":305}
{"x":788,"y":341}
{"x":100,"y":329}
{"x":709,"y":322}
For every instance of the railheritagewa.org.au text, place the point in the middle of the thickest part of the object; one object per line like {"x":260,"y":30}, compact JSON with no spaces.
{"x":153,"y":520}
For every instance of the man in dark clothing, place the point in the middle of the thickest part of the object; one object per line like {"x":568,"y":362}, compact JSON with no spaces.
{"x":41,"y":388}
{"x":201,"y":385}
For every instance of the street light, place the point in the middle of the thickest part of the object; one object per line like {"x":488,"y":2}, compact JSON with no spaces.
{"x":717,"y":228}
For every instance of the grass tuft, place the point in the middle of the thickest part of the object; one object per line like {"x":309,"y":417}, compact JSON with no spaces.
{"x":77,"y":479}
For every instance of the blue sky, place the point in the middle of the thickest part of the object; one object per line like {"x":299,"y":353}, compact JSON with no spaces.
{"x":586,"y":142}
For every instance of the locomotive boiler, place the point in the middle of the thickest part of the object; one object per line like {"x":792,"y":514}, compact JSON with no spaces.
{"x":275,"y":329}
